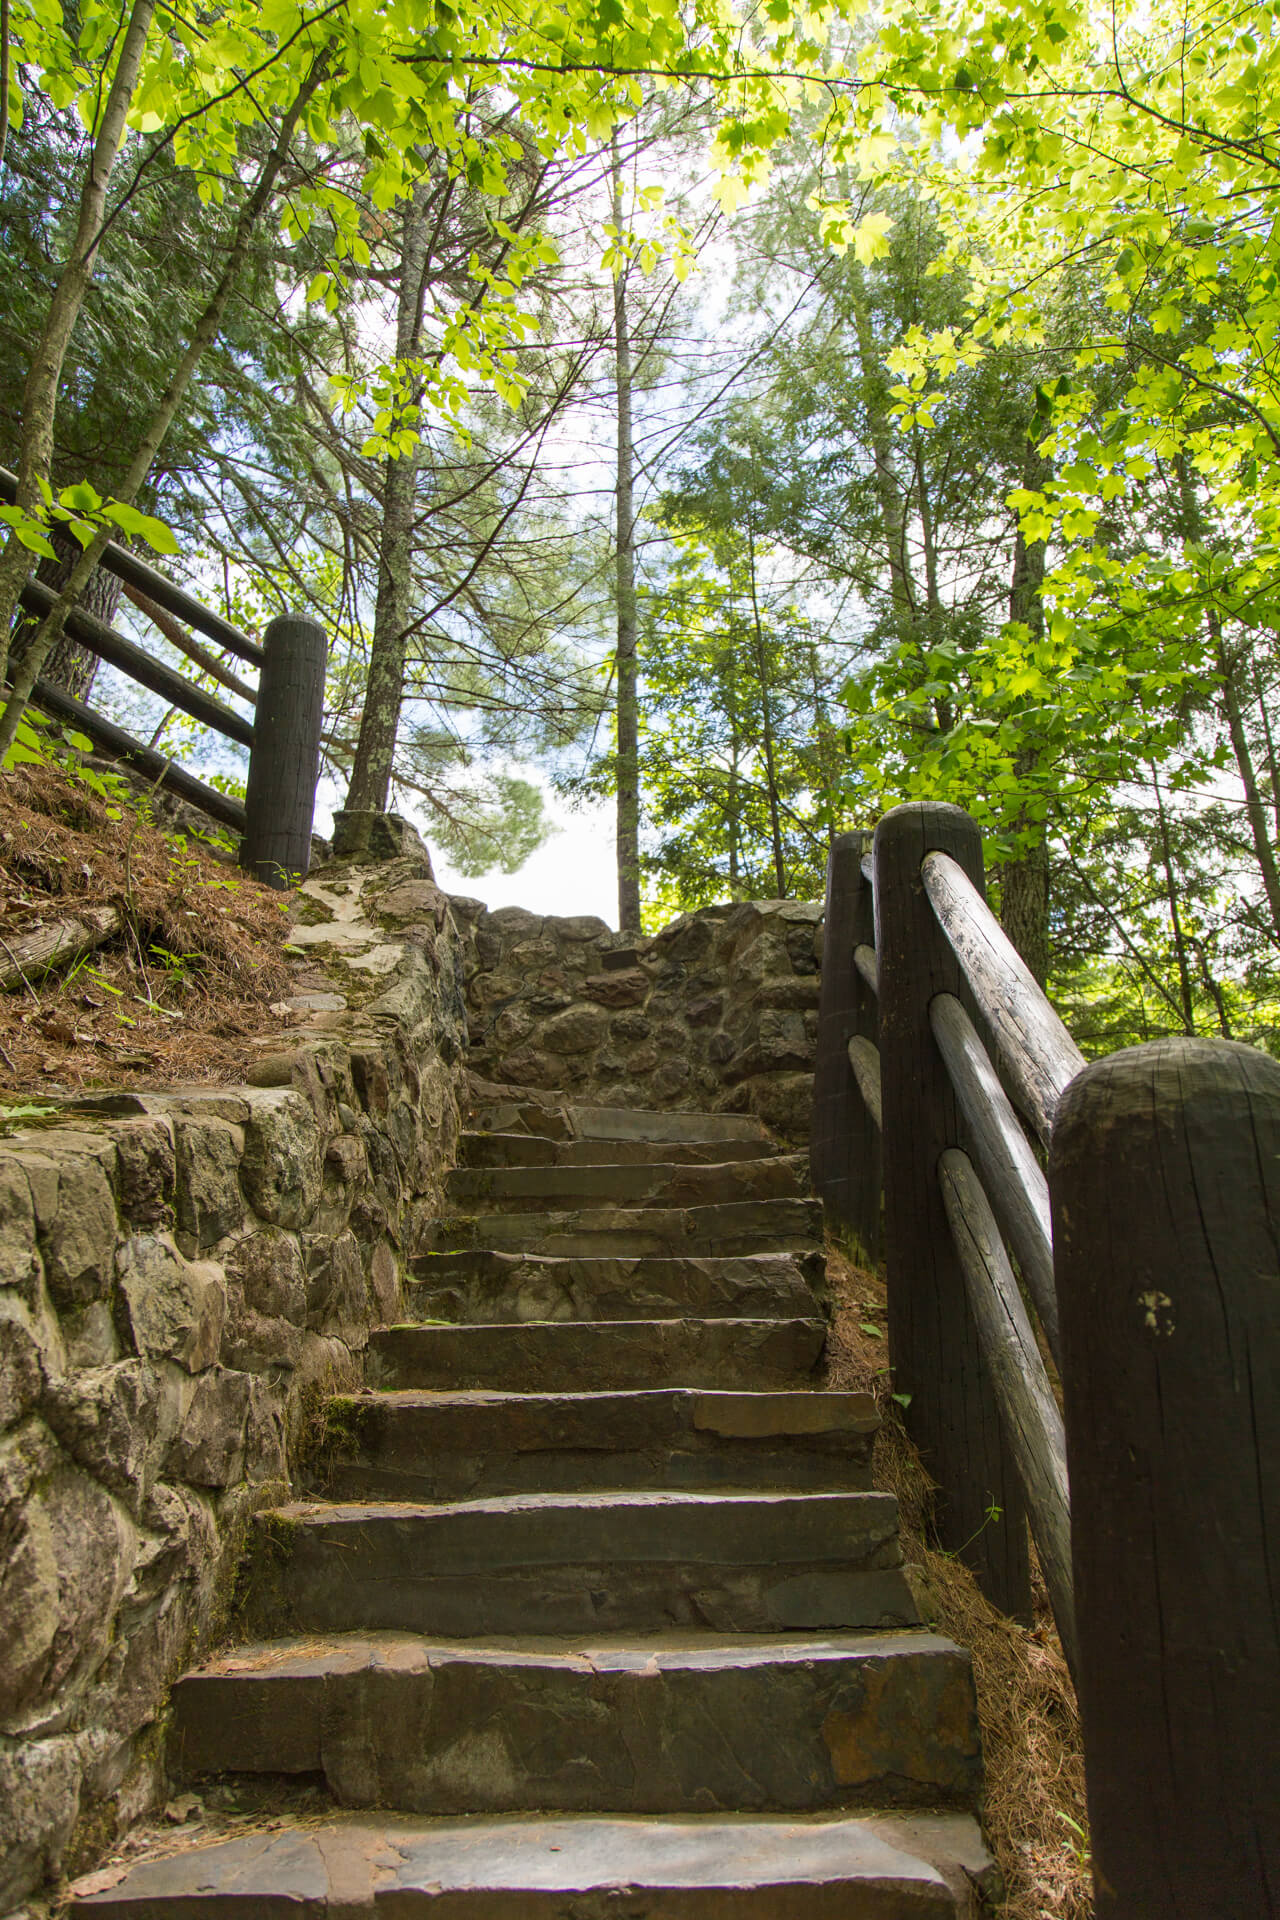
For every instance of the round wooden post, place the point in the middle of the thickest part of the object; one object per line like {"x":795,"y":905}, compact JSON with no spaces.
{"x":285,"y":758}
{"x":933,"y":1343}
{"x":1165,"y":1178}
{"x":844,"y":1149}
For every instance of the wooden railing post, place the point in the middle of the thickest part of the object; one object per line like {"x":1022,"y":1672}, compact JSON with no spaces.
{"x":844,"y":1150}
{"x":933,"y":1343}
{"x":1165,"y":1180}
{"x":285,"y":758}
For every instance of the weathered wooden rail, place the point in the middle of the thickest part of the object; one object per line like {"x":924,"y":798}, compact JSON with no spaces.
{"x":1147,"y":1278}
{"x":283,"y":737}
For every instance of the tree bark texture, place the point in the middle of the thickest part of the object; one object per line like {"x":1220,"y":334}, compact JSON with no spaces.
{"x":40,"y":393}
{"x":1024,"y":881}
{"x":628,"y":721}
{"x":374,"y":760}
{"x":1165,"y":1177}
{"x":203,"y":336}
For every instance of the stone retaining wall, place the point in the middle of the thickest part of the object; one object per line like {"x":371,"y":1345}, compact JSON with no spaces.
{"x":182,"y":1276}
{"x":719,"y":1010}
{"x":185,"y":1274}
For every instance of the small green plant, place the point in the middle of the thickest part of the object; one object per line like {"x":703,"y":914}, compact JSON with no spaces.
{"x":22,"y":1113}
{"x":1080,"y":1849}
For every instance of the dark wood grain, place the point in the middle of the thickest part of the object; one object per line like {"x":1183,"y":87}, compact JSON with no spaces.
{"x":1028,"y":1409}
{"x":285,"y":761}
{"x":1012,"y":1176}
{"x":952,"y":1413}
{"x":156,"y":767}
{"x":844,"y":1151}
{"x":1033,"y":1046}
{"x":153,"y":674}
{"x":1165,"y":1177}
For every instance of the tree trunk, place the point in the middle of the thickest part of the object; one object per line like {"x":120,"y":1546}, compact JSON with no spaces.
{"x":1024,"y":881}
{"x":628,"y":751}
{"x":67,"y":664}
{"x":202,"y":338}
{"x":888,"y":490}
{"x":384,"y":690}
{"x":1175,"y":918}
{"x":766,"y":725}
{"x":1254,"y":807}
{"x":40,"y":393}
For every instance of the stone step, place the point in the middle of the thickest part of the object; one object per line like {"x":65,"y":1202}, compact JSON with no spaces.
{"x":482,"y":1189}
{"x":581,"y":1563}
{"x":881,"y":1866}
{"x":561,"y":1117}
{"x":735,"y":1227}
{"x":565,"y":1356}
{"x":484,"y":1285}
{"x":535,"y":1150}
{"x":471,"y":1445}
{"x":702,"y":1723}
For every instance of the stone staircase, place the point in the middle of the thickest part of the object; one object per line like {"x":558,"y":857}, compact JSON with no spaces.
{"x":593,"y":1610}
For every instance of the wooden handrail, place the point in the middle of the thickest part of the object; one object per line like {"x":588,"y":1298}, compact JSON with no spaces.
{"x":1015,"y":1183}
{"x":864,"y":959}
{"x":1150,"y":1256}
{"x":865,"y":1061}
{"x":1028,"y":1409}
{"x":108,"y":645}
{"x":157,"y":767}
{"x":135,"y":572}
{"x":1035,"y":1048}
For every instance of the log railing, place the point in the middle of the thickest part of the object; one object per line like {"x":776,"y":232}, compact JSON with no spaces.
{"x":1143,"y":1270}
{"x":274,"y":821}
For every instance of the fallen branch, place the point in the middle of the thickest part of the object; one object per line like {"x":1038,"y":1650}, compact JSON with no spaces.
{"x":50,"y":948}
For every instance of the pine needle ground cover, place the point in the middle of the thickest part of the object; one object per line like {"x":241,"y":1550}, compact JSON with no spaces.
{"x":1034,"y":1814}
{"x":193,"y":972}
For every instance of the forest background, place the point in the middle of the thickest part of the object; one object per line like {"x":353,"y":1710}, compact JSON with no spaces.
{"x":748,"y":421}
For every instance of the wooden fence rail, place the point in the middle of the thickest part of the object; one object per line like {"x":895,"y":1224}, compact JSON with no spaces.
{"x":1150,"y":1257}
{"x":283,"y":737}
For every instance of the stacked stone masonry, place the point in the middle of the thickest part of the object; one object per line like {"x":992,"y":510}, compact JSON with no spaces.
{"x":718,"y":1011}
{"x":185,"y":1275}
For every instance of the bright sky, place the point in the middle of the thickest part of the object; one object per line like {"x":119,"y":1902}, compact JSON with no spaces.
{"x":572,"y":872}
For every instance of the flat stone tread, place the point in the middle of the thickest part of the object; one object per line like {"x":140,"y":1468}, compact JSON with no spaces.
{"x":477,"y":1149}
{"x":737,"y":1413}
{"x":815,"y":1867}
{"x":778,"y":1177}
{"x":300,"y":1655}
{"x":360,"y":1513}
{"x":785,"y":1223}
{"x":480,"y":1286}
{"x":644,"y":1123}
{"x":562,"y":1355}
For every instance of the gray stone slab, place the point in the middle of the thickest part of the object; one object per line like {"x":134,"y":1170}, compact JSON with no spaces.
{"x":485,"y":1285}
{"x":744,"y":1226}
{"x":581,"y":1563}
{"x":557,"y":1356}
{"x":535,"y":1868}
{"x":432,"y":1446}
{"x":704,"y":1724}
{"x":535,"y":1150}
{"x":555,"y":1188}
